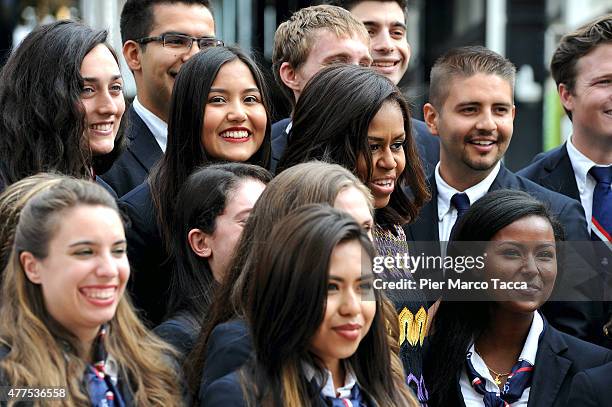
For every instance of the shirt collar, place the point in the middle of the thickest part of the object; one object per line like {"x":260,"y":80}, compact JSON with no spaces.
{"x":580,"y":162}
{"x":328,"y":389}
{"x":475,"y":192}
{"x":157,"y":126}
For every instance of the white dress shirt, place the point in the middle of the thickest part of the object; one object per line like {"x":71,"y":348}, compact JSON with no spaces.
{"x":328,"y":389}
{"x":585,"y":181}
{"x":158,"y":127}
{"x":474,"y":399}
{"x":447,"y":214}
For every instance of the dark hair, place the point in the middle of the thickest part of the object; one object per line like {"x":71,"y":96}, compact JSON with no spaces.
{"x":299,"y":268}
{"x":137,"y":17}
{"x":465,"y":62}
{"x":308,"y":183}
{"x":457,"y":323}
{"x":192,"y":281}
{"x":349,"y":4}
{"x":184,"y":152}
{"x":42,"y":118}
{"x":337,"y":131}
{"x":574,"y":46}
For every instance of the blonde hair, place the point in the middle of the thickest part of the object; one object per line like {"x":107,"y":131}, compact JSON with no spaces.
{"x":293,"y":40}
{"x":43,"y":353}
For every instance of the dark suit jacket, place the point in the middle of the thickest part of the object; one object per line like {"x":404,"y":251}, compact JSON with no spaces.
{"x":134,"y":164}
{"x":553,"y":170}
{"x":150,"y":278}
{"x":577,"y":318}
{"x":592,"y":388}
{"x":428,"y":145}
{"x":229,"y":347}
{"x":559,"y":358}
{"x":181,"y":331}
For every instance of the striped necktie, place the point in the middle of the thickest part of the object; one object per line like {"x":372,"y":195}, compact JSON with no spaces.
{"x":601,"y":220}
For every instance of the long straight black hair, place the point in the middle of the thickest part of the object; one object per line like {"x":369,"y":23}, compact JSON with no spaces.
{"x":185,"y":152}
{"x":457,"y":323}
{"x":283,"y":326}
{"x":42,"y":118}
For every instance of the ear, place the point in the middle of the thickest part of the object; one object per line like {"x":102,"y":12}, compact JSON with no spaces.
{"x":567,"y":99}
{"x":290,"y":77}
{"x":430,"y":115}
{"x":132,"y":53}
{"x":200,"y":243}
{"x":30,"y":266}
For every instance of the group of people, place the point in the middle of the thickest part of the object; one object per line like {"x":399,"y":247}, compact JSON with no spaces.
{"x":168,"y":255}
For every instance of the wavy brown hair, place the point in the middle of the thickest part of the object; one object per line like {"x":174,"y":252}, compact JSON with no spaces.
{"x":41,"y":351}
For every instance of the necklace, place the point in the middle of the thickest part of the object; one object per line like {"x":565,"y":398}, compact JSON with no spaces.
{"x":497,"y":375}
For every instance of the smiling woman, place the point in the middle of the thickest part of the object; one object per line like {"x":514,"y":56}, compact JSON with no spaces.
{"x":64,"y":120}
{"x":219,"y":112}
{"x":502,"y":351}
{"x":65,"y":287}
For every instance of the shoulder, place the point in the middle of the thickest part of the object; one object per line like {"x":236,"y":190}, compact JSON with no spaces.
{"x":583,"y":354}
{"x":592,"y":387}
{"x":224,"y":392}
{"x":543,"y":163}
{"x":279,"y":127}
{"x":179,"y":332}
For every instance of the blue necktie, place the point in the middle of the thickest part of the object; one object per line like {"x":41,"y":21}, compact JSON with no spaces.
{"x":354,"y":400}
{"x":601,"y":221}
{"x":461,"y":202}
{"x":518,"y":381}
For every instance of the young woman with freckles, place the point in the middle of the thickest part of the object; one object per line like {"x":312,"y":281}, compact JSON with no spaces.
{"x":364,"y":125}
{"x":65,"y":319}
{"x":61,"y":104}
{"x":218,"y":113}
{"x":498,"y":349}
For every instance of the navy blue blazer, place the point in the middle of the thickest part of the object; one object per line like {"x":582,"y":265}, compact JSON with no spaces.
{"x":133,"y":165}
{"x":229,"y":347}
{"x":559,"y":358}
{"x":592,"y":388}
{"x":181,"y":331}
{"x":150,"y":277}
{"x":427,"y":144}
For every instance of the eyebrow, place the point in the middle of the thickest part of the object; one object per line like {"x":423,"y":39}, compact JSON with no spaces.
{"x":376,"y":24}
{"x":380,"y":139}
{"x":221,"y":90}
{"x":90,"y":79}
{"x":362,"y":278}
{"x":89,"y":242}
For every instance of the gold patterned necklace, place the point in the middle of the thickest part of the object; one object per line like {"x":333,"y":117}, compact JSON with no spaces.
{"x":497,"y":375}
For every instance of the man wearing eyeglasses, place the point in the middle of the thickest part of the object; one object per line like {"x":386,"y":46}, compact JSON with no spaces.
{"x":158,"y":36}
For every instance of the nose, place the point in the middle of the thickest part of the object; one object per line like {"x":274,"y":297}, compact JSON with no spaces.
{"x":382,"y":42}
{"x":350,"y":303}
{"x":386,"y":160}
{"x":530,"y":266}
{"x":236,"y":112}
{"x":486,"y":122}
{"x":195,"y":48}
{"x":108,"y":266}
{"x":107,"y":105}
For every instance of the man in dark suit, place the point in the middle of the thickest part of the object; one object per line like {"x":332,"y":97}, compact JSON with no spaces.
{"x":146,"y":27}
{"x":582,"y":69}
{"x":388,"y":45}
{"x":472,"y":110}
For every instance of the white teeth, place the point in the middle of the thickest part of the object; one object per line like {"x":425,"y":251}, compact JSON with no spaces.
{"x":482,"y":143}
{"x":102,"y":127}
{"x":383,"y":64}
{"x":98,"y":294}
{"x":235,"y":134}
{"x":384,"y":183}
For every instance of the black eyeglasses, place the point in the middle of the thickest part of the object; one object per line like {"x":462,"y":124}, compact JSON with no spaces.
{"x":182,"y":42}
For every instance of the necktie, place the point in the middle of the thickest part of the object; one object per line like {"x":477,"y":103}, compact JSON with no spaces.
{"x":355,"y":399}
{"x":461,"y":202}
{"x":518,"y":381}
{"x":601,"y":220}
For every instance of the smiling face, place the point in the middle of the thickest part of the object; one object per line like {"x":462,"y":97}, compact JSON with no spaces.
{"x":327,"y":48}
{"x":389,"y":47}
{"x":229,"y":225}
{"x":155,"y":66}
{"x":386,"y":137}
{"x":85,"y":272}
{"x":475,"y":124}
{"x":347,"y":317}
{"x":591,"y":101}
{"x":102,"y":98}
{"x":235,"y":118}
{"x":523,"y":251}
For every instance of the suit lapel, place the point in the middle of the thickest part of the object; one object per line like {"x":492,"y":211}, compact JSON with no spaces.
{"x":550,"y":369}
{"x":559,"y":174}
{"x":143,"y":145}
